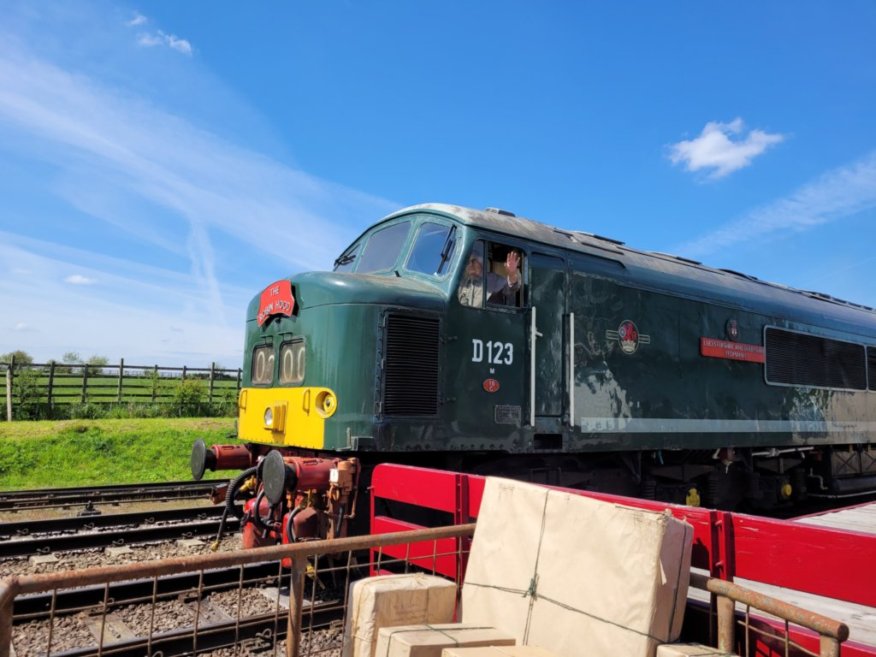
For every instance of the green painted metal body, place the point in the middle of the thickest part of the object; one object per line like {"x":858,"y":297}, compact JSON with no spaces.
{"x":663,"y":395}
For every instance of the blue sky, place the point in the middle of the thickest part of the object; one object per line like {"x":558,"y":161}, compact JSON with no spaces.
{"x":160,"y":163}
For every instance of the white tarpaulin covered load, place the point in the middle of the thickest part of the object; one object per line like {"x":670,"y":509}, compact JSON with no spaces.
{"x":392,"y":600}
{"x":574,"y":575}
{"x":430,"y":640}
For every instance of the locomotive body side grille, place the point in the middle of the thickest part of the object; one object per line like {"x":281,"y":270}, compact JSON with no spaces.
{"x":801,"y":359}
{"x":411,"y":366}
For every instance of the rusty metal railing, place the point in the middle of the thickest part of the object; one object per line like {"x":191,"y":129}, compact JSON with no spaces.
{"x":205,"y":616}
{"x":208,"y":613}
{"x":831,"y":633}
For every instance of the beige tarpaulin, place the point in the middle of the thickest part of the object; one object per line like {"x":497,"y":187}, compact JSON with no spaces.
{"x":393,"y":600}
{"x":579,"y":577}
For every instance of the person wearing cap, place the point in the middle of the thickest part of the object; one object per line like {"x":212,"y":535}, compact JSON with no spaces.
{"x":501,"y":290}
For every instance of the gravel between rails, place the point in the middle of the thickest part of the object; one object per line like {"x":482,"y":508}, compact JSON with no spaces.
{"x":83,"y":629}
{"x":80,"y":630}
{"x":106,"y":557}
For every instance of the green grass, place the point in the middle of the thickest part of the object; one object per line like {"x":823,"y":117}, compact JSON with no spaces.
{"x":50,"y":454}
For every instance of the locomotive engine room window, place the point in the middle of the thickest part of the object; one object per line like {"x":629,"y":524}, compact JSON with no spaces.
{"x":262,"y":365}
{"x":383,"y":247}
{"x":433,"y":248}
{"x":292,"y":362}
{"x":502,"y":277}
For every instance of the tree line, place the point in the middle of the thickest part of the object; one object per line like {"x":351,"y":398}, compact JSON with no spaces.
{"x":94,"y":364}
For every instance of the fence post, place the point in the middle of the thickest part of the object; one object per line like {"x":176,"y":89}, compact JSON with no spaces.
{"x":8,"y":591}
{"x":830,"y":647}
{"x":154,"y":383}
{"x":9,"y":376}
{"x":51,"y":385}
{"x":184,"y":373}
{"x":212,"y":377}
{"x":296,"y":602}
{"x":121,"y":378}
{"x":84,"y":383}
{"x":726,"y":624}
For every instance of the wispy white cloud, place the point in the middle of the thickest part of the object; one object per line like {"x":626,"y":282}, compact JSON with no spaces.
{"x":138,"y":19}
{"x":157,"y":315}
{"x":839,"y":193}
{"x":79,"y":279}
{"x":160,"y":38}
{"x":157,"y":180}
{"x":722,"y":148}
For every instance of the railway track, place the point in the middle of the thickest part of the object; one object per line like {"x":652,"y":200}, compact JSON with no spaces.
{"x":206,"y":523}
{"x":67,"y":497}
{"x":260,"y":631}
{"x":107,"y":611}
{"x":38,"y":606}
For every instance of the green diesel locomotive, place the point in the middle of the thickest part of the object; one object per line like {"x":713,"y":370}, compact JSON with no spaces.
{"x":485,"y":342}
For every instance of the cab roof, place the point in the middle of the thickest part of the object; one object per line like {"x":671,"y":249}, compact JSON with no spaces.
{"x":661,"y":270}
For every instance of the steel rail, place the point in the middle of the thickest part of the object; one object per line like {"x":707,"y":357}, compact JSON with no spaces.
{"x":38,"y":606}
{"x":87,"y":523}
{"x":55,"y":497}
{"x":125,"y":536}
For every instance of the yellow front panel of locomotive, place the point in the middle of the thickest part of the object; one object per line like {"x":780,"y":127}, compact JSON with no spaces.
{"x":285,"y":416}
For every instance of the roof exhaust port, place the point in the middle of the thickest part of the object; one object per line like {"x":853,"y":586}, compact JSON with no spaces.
{"x":504,"y":213}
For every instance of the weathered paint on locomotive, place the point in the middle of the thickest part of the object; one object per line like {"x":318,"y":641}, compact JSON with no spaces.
{"x":652,"y":393}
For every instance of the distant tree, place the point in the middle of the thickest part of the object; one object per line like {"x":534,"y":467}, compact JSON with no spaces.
{"x":69,"y":359}
{"x":96,"y":365}
{"x":21,"y":357}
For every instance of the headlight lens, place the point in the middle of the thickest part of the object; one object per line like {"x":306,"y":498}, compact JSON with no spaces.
{"x":269,"y":417}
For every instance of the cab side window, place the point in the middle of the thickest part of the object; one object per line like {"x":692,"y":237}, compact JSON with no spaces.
{"x":471,"y":285}
{"x":505,"y":276}
{"x":493,"y":274}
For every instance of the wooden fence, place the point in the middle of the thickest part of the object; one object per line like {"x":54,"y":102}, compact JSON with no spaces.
{"x":48,"y":385}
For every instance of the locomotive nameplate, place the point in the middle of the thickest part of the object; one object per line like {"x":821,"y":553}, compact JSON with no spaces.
{"x":276,"y":299}
{"x":714,"y":348}
{"x":508,"y":414}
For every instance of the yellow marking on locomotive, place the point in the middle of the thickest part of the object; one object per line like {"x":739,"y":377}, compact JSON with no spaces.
{"x":285,"y":416}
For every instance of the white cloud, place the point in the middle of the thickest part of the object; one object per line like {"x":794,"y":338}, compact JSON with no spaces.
{"x":79,"y":279}
{"x":138,"y":19}
{"x":716,"y":151}
{"x":109,"y":143}
{"x":157,"y":315}
{"x":159,"y":38}
{"x":158,"y":179}
{"x":839,"y":193}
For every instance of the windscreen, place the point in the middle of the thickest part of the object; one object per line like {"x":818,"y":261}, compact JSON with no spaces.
{"x":382,"y":249}
{"x":432,"y":248}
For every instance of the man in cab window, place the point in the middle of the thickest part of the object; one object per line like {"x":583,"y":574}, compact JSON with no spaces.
{"x":501,"y":290}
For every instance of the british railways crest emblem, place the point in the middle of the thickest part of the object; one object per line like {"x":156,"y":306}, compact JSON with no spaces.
{"x":628,"y":337}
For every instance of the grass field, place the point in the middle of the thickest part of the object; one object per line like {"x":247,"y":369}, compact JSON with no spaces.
{"x":95,"y":452}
